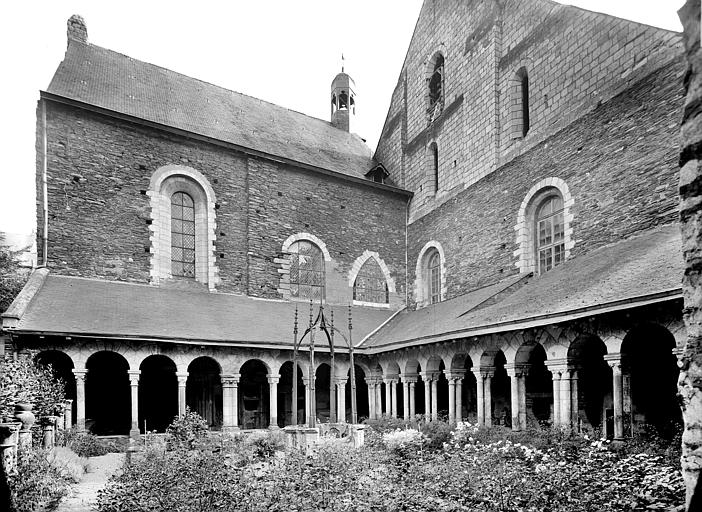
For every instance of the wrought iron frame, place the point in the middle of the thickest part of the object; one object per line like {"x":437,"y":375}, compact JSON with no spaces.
{"x":328,"y":328}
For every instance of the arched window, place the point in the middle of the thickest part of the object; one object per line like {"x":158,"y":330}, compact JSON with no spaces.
{"x":182,"y":226}
{"x":550,"y":230}
{"x":182,"y":235}
{"x":434,"y":277}
{"x":306,"y":270}
{"x":370,"y":284}
{"x":436,"y":83}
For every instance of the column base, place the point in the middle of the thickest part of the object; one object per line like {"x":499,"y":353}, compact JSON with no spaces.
{"x":273,"y":427}
{"x":135,"y":434}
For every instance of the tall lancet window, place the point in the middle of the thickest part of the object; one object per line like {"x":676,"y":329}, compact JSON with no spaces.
{"x":182,"y":235}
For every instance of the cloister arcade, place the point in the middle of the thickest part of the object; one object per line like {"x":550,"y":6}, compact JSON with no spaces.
{"x":581,"y":375}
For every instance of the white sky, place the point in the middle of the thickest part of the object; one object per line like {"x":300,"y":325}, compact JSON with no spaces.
{"x":282,"y":51}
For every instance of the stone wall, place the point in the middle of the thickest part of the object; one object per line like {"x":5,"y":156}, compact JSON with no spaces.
{"x":690,"y":382}
{"x":99,"y":171}
{"x":619,"y":162}
{"x":575,"y":60}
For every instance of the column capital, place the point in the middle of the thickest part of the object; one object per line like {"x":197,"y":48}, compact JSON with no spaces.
{"x":341,"y":381}
{"x":483,"y":371}
{"x":517,"y":370}
{"x":80,"y":373}
{"x":230,"y":379}
{"x":404,"y":377}
{"x":454,"y":375}
{"x":390,"y":380}
{"x":134,"y":376}
{"x":273,"y":379}
{"x":429,"y":376}
{"x":182,"y":377}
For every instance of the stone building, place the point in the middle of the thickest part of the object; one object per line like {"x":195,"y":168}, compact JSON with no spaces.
{"x":510,"y":254}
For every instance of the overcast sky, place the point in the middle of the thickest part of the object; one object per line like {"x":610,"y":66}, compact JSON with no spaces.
{"x":283,"y":51}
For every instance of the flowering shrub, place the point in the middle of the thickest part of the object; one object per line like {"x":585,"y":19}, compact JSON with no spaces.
{"x":186,"y":430}
{"x":264,"y":443}
{"x":84,"y":444}
{"x":404,"y":442}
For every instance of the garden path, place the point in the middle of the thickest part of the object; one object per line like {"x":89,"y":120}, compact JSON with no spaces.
{"x":85,"y":492}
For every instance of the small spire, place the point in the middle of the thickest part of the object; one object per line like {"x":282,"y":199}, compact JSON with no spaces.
{"x":342,"y":62}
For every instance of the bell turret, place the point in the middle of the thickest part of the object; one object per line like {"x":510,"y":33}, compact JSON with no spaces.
{"x":343,"y":101}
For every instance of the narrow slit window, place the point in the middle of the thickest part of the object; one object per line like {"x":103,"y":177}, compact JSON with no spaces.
{"x":182,"y":235}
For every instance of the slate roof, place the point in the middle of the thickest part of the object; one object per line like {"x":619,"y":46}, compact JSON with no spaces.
{"x":110,"y":80}
{"x":78,"y":306}
{"x":635,"y":268}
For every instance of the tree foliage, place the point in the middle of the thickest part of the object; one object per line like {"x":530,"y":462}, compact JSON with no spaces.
{"x":12,"y":275}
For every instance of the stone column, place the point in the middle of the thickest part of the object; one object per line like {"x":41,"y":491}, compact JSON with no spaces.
{"x":388,"y":396}
{"x":513,"y":374}
{"x":412,"y":398}
{"x":371,"y":399}
{"x":615,"y":363}
{"x":273,"y":401}
{"x":80,"y":398}
{"x":521,"y":379}
{"x":134,"y":383}
{"x":427,"y":395}
{"x":434,"y":398}
{"x":452,"y":398}
{"x":480,"y":398}
{"x":575,"y":405}
{"x":405,"y":397}
{"x":341,"y":400}
{"x":379,"y":399}
{"x":566,"y":415}
{"x":459,"y":397}
{"x":68,"y":414}
{"x":487,"y":392}
{"x":229,"y":402}
{"x":393,"y":397}
{"x":556,"y":379}
{"x":182,"y":381}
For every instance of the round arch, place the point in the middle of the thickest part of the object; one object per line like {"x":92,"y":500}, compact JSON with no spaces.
{"x":421,"y":279}
{"x":158,"y":393}
{"x":107,"y":394}
{"x":62,"y":367}
{"x":254,"y":394}
{"x":203,"y":390}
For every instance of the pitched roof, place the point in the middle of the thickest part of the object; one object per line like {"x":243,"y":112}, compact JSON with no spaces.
{"x":633,"y":269}
{"x":109,"y":80}
{"x":78,"y":306}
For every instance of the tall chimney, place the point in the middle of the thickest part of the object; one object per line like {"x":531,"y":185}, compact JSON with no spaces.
{"x":77,"y":30}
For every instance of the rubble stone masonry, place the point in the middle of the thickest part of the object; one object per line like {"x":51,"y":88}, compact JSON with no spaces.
{"x":98,"y":171}
{"x":690,"y":380}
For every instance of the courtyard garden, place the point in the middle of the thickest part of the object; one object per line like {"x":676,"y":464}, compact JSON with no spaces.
{"x":413,"y":466}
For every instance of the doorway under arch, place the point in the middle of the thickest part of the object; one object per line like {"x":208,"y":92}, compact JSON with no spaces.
{"x":107,"y":394}
{"x":158,"y":393}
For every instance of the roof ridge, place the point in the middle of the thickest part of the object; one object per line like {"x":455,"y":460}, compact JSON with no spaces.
{"x":328,"y":123}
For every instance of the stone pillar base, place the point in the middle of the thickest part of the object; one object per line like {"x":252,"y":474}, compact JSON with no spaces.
{"x":273,"y":427}
{"x":357,"y":434}
{"x":135,"y":434}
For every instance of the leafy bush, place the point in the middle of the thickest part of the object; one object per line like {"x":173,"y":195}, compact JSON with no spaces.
{"x":22,"y":380}
{"x":185,"y":430}
{"x":85,"y":444}
{"x":36,"y":482}
{"x":264,"y":443}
